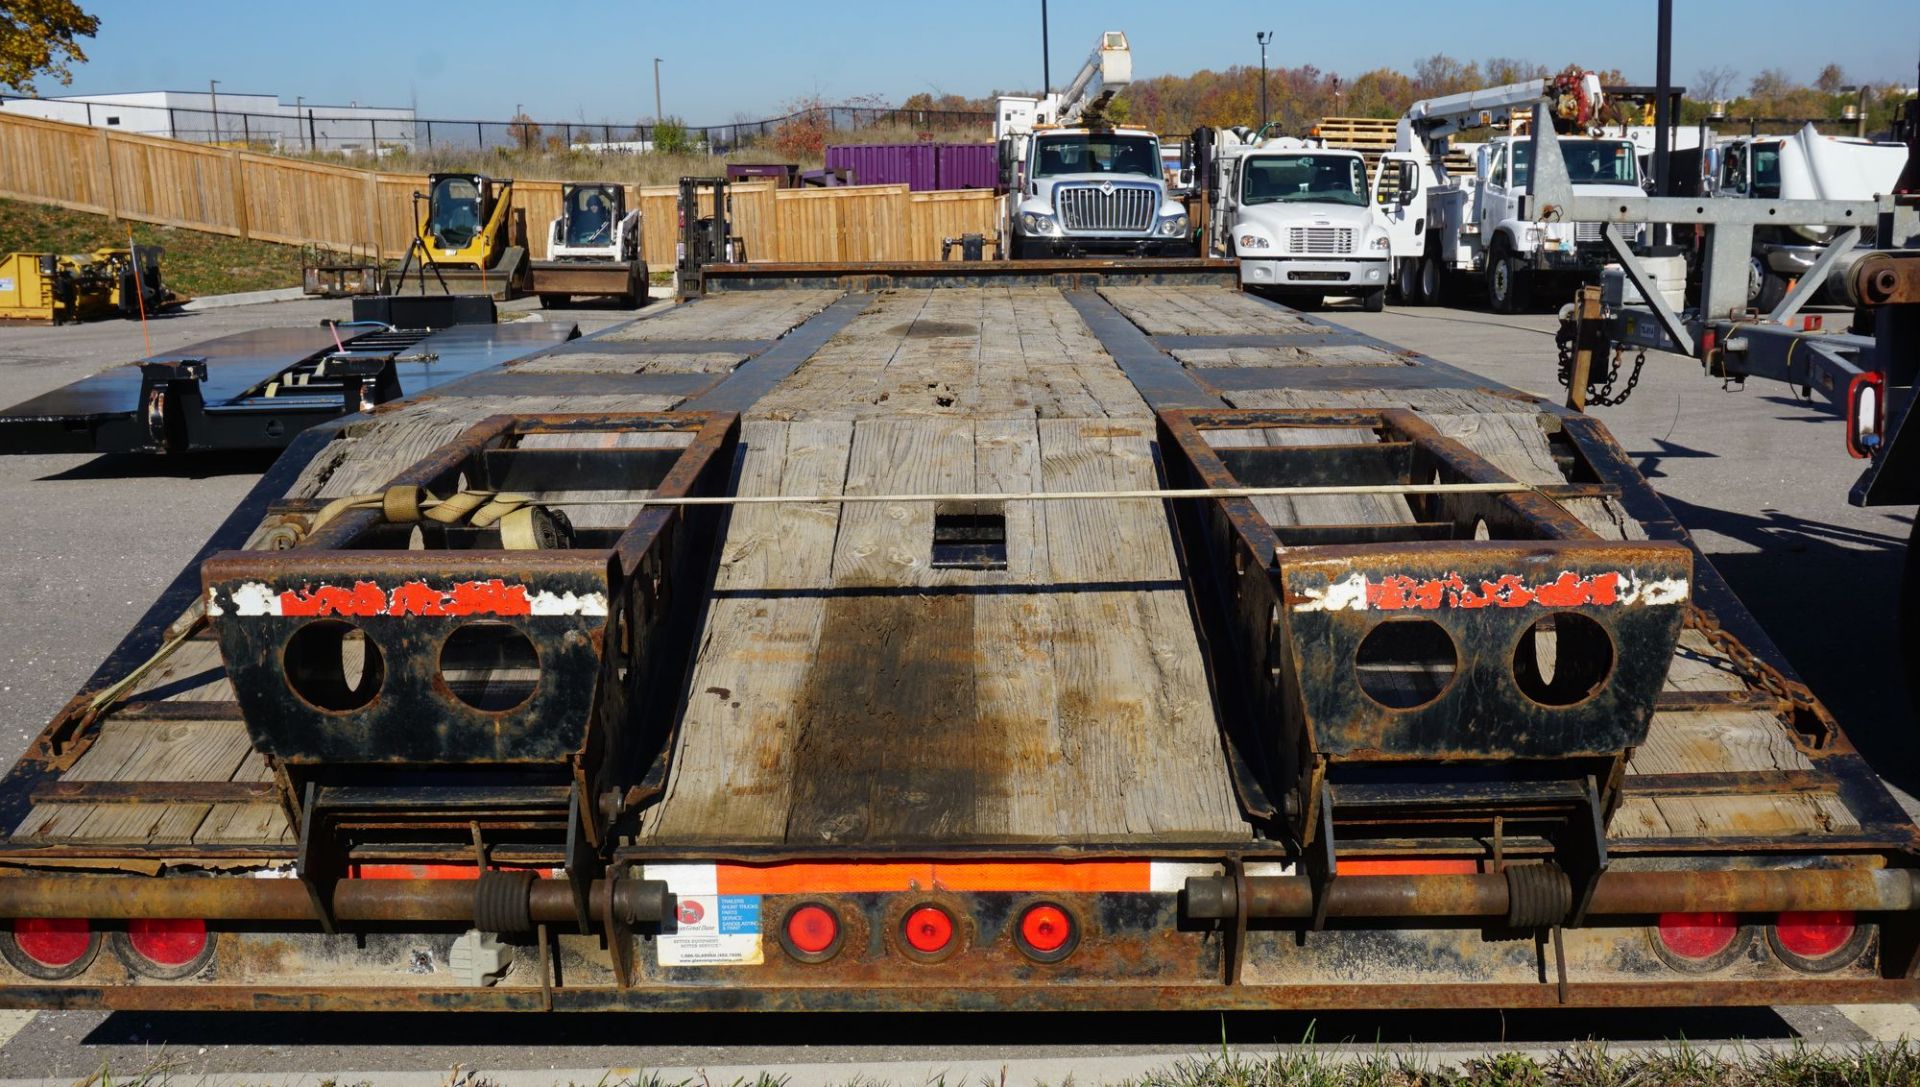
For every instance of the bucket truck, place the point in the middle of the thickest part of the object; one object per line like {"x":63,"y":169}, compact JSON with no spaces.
{"x":1076,"y":183}
{"x":1474,"y":225}
{"x":1303,"y":222}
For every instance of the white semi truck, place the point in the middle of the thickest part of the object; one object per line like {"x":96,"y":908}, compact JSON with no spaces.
{"x":1303,"y":222}
{"x":1077,"y":184}
{"x":1474,"y":225}
{"x":1803,"y":166}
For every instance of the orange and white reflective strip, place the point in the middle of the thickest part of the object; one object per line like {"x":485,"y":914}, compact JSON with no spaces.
{"x":407,"y":599}
{"x":1399,"y":592}
{"x":1026,"y":877}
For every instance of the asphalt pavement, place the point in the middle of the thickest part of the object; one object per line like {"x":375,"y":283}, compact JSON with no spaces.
{"x":1759,"y":475}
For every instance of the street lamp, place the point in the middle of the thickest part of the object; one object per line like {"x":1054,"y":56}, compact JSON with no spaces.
{"x":656,"y":91}
{"x":214,"y":97}
{"x":1263,"y":37}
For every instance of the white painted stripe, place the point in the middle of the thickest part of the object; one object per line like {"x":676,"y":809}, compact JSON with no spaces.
{"x":545,"y":603}
{"x":686,"y":879}
{"x":1883,"y":1022}
{"x":1170,"y":877}
{"x":12,"y":1022}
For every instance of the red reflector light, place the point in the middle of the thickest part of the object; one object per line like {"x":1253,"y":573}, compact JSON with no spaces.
{"x":928,"y":930}
{"x":52,"y":941}
{"x":1698,"y":935}
{"x":169,"y":942}
{"x":1046,"y":928}
{"x":812,"y":929}
{"x":1814,"y":935}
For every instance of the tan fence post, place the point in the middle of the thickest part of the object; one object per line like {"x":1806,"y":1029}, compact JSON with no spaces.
{"x":240,"y":195}
{"x":373,"y":212}
{"x":106,"y":175}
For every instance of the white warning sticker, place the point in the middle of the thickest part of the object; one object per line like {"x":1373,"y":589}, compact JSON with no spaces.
{"x":5,"y":284}
{"x":708,"y":928}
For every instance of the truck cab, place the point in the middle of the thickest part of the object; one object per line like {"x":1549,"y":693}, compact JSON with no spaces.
{"x":1304,"y":223}
{"x":1092,"y":191}
{"x":1478,"y":223}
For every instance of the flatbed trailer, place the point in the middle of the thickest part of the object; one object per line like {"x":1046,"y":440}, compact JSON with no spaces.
{"x":829,"y":727}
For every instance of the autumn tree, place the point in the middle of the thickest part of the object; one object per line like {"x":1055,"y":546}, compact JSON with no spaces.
{"x":1714,"y":84}
{"x":524,"y":131}
{"x":37,"y":38}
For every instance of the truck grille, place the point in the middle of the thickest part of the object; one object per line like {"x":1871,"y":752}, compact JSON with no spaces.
{"x":1320,"y":241}
{"x":1589,"y":232}
{"x":1086,"y":208}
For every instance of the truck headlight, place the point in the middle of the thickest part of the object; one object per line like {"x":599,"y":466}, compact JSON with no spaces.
{"x":1535,"y":235}
{"x":1173,"y":227}
{"x":1254,"y":241}
{"x":1381,"y":243}
{"x":1036,"y":224}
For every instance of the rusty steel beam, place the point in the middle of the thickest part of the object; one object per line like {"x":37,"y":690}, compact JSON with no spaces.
{"x":1884,"y":279}
{"x":1617,"y":894}
{"x":429,"y":901}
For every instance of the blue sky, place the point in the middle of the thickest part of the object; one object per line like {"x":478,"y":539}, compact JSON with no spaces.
{"x":745,"y":58}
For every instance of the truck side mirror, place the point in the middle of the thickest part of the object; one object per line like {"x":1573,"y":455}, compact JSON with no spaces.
{"x":1409,"y":183}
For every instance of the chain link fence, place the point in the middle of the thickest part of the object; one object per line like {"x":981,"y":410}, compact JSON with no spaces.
{"x":377,"y":131}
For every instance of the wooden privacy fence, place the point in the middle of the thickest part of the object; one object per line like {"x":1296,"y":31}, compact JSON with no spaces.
{"x":294,"y":202}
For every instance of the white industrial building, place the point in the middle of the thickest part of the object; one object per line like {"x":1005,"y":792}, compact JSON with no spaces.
{"x":232,"y":119}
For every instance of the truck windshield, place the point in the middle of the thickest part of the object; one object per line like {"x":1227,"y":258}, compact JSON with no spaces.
{"x":453,"y":212}
{"x":1312,"y":179}
{"x":1097,"y":154}
{"x":1589,"y":162}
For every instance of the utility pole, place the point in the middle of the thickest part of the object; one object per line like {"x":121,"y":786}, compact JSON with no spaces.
{"x":1046,"y":55}
{"x":1663,"y":100}
{"x":657,"y":116}
{"x":214,"y":96}
{"x":1263,"y":37}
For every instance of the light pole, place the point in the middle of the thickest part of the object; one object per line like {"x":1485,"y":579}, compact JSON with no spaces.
{"x":656,"y":92}
{"x":298,"y":102}
{"x":1263,"y":37}
{"x":214,"y":98}
{"x":1046,"y":55}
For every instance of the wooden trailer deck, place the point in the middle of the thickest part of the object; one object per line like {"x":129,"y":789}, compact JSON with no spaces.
{"x":853,"y":688}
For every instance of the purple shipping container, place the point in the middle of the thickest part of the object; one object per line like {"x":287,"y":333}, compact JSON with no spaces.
{"x":922,"y":167}
{"x":967,"y":165}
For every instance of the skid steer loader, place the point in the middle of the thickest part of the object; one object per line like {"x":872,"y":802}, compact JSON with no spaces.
{"x":593,"y":248}
{"x":471,"y":239}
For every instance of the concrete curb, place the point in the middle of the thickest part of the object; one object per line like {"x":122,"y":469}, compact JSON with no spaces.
{"x":1027,"y":1072}
{"x":244,"y":298}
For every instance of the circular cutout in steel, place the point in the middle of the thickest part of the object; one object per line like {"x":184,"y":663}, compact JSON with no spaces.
{"x":49,"y":948}
{"x":1404,"y":664}
{"x":1564,"y":658}
{"x":492,"y":667}
{"x":333,"y":666}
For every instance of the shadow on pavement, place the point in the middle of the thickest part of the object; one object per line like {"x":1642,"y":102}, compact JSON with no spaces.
{"x":200,"y":465}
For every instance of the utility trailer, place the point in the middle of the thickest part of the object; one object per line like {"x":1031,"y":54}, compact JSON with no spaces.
{"x":260,"y":389}
{"x":972,"y":647}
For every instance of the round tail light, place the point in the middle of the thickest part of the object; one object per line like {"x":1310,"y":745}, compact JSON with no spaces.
{"x":51,"y":948}
{"x":1817,"y":940}
{"x":1046,"y":933}
{"x":1697,"y":942}
{"x":812,"y":932}
{"x":928,"y":930}
{"x":166,"y":947}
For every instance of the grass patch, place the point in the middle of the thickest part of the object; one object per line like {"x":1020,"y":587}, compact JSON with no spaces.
{"x":1885,"y":1065}
{"x":195,"y":263}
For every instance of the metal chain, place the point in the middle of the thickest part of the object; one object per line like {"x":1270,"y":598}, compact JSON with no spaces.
{"x":1750,"y":668}
{"x":1599,"y":393}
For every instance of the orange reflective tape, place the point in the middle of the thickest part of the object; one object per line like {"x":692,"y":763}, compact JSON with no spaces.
{"x":1392,"y":867}
{"x":803,"y":877}
{"x":1020,"y":876}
